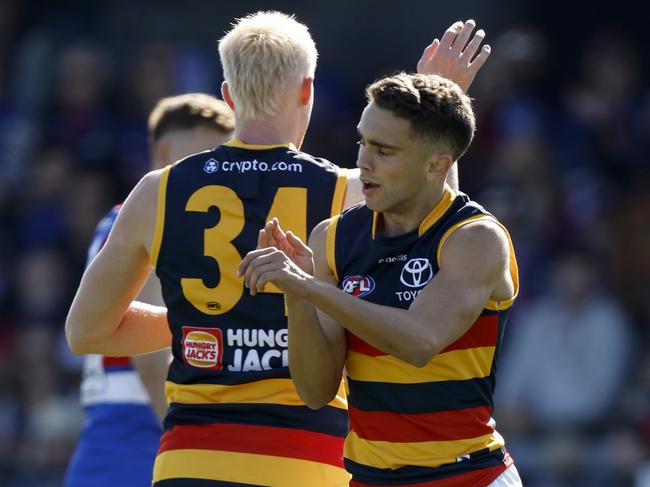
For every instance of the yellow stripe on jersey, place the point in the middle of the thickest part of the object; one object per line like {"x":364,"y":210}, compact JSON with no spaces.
{"x":330,"y":246}
{"x":339,"y":192}
{"x":268,"y":391}
{"x":385,"y":454}
{"x":514,"y":269}
{"x":160,"y":216}
{"x":247,"y":468}
{"x":448,"y":197}
{"x":242,"y":145}
{"x":464,"y":364}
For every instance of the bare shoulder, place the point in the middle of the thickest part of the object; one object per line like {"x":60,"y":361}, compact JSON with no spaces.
{"x":483,"y":240}
{"x":318,"y":245}
{"x":138,"y":213}
{"x":318,"y":237}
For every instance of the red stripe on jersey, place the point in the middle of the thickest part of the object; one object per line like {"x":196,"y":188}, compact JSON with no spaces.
{"x":356,"y":344}
{"x":483,"y":333}
{"x":404,"y":428}
{"x":483,"y":476}
{"x":116,"y":361}
{"x":261,"y":440}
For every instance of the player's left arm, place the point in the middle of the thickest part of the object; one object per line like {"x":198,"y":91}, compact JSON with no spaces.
{"x":473,"y":268}
{"x":98,"y":321}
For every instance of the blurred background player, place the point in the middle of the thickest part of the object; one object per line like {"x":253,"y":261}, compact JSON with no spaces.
{"x":124,"y":397}
{"x":234,"y":415}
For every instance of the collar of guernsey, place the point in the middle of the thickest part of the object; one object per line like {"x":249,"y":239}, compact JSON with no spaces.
{"x":432,"y":217}
{"x":242,"y":145}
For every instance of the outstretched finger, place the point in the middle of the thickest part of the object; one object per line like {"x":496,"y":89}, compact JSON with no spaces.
{"x":472,"y":48}
{"x":479,"y":60}
{"x":463,"y":36}
{"x":263,"y":240}
{"x":277,"y":232}
{"x":427,"y":54}
{"x":450,"y":35}
{"x":297,"y":244}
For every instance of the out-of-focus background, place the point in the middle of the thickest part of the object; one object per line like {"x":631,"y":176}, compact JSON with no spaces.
{"x":561,"y":157}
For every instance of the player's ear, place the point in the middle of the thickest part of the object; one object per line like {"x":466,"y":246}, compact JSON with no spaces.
{"x":306,"y":91}
{"x":225,"y":94}
{"x":439,"y":165}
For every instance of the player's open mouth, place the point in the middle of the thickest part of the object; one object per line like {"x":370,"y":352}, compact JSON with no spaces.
{"x":369,"y":186}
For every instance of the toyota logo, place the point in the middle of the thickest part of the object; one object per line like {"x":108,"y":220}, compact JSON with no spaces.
{"x":416,"y":273}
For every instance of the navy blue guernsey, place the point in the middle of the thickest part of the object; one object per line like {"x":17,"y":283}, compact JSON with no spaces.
{"x":230,"y":365}
{"x":428,"y":425}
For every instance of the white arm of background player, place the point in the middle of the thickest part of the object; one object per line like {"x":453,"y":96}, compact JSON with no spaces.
{"x":454,"y":57}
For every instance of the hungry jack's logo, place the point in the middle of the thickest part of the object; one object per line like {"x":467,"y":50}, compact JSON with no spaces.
{"x":203,"y":347}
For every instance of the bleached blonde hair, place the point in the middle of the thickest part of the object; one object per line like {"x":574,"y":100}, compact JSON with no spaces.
{"x":263,"y":56}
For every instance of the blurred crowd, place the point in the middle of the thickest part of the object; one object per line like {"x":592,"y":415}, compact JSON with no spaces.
{"x":560,"y":157}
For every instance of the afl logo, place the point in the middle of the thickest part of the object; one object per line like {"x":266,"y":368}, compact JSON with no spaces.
{"x":202,"y":347}
{"x":416,"y":273}
{"x":211,"y":165}
{"x":358,"y":286}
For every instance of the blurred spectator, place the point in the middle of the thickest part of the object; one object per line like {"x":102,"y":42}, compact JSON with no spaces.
{"x":562,"y":370}
{"x":80,"y":117}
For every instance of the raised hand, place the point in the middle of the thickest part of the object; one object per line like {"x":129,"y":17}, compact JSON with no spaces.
{"x":270,"y":265}
{"x":272,"y":235}
{"x":453,"y":57}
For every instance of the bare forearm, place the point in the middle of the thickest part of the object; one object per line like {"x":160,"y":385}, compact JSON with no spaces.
{"x":391,"y":330}
{"x":142,"y":329}
{"x":96,"y":312}
{"x":314,"y":368}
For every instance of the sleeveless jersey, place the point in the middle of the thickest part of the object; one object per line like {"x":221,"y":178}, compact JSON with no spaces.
{"x":428,"y":426}
{"x":118,"y":443}
{"x":235,"y":415}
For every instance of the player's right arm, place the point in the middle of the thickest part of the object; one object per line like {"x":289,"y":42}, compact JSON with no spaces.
{"x":317,"y":344}
{"x":98,"y":321}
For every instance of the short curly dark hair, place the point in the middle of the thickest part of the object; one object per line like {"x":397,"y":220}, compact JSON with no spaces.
{"x":438,"y":110}
{"x":188,"y":111}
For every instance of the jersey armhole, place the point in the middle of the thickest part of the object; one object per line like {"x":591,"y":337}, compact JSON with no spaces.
{"x":514,"y":270}
{"x":160,"y":216}
{"x":330,"y":249}
{"x":339,"y":192}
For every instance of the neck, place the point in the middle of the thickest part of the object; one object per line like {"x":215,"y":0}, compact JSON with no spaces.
{"x":409,"y":216}
{"x":272,"y":130}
